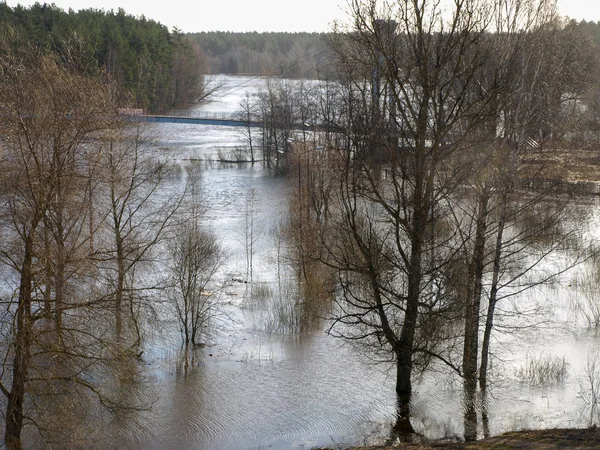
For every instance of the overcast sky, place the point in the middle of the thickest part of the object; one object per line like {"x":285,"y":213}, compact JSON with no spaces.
{"x":257,"y":15}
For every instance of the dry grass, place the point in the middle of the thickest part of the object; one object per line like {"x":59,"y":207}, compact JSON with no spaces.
{"x":544,"y":370}
{"x":577,"y":165}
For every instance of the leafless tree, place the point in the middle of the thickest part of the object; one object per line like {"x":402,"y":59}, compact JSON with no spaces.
{"x":195,"y":257}
{"x":530,"y":113}
{"x":277,"y":110}
{"x":248,"y":113}
{"x":134,"y":212}
{"x":422,"y":88}
{"x":55,"y":321}
{"x":423,"y":85}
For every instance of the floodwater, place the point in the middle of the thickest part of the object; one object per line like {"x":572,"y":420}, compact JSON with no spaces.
{"x":252,"y":388}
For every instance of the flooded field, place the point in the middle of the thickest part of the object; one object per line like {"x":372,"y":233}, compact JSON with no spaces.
{"x":254,"y":385}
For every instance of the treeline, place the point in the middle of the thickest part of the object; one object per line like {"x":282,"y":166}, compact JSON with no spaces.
{"x":291,"y":55}
{"x":157,"y":68}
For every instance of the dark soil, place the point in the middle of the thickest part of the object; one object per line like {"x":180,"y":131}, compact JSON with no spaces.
{"x":588,"y":439}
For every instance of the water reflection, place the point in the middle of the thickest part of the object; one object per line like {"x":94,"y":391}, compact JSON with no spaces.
{"x":255,"y":387}
{"x":289,"y":394}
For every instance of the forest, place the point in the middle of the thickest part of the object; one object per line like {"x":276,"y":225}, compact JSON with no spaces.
{"x":157,"y":69}
{"x":290,"y":55}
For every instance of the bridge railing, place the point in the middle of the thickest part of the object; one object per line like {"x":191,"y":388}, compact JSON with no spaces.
{"x":207,"y":115}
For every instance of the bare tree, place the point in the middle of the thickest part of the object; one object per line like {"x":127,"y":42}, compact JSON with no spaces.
{"x":47,"y":117}
{"x":423,"y":86}
{"x":251,"y":232}
{"x":248,"y":113}
{"x":529,"y":114}
{"x":422,"y":89}
{"x":277,"y":110}
{"x":195,"y":257}
{"x":57,"y":343}
{"x":134,"y":214}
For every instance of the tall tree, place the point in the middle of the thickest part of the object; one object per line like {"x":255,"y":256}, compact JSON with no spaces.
{"x":422,"y":86}
{"x":54,"y":117}
{"x":135,"y":215}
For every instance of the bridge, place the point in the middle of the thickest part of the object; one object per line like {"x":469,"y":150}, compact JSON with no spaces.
{"x":218,"y":118}
{"x":201,"y":118}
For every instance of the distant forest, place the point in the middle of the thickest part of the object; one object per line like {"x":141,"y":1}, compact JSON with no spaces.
{"x":160,"y":70}
{"x":297,"y":55}
{"x":157,"y":68}
{"x":290,"y":55}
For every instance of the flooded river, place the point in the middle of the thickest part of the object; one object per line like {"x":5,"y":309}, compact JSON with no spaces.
{"x":253,"y":388}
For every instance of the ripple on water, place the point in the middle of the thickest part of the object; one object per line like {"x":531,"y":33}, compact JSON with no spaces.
{"x":311,"y":392}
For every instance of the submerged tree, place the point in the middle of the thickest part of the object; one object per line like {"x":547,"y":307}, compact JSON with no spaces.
{"x":56,"y":325}
{"x":47,"y":117}
{"x":135,"y":214}
{"x":424,"y":99}
{"x":195,"y":256}
{"x":422,"y":87}
{"x":501,"y":256}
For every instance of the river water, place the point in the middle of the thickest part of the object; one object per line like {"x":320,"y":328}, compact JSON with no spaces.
{"x":253,"y":388}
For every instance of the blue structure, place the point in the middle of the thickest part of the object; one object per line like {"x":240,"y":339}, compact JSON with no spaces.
{"x":218,"y":119}
{"x":225,"y":122}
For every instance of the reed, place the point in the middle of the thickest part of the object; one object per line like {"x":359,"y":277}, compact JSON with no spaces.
{"x":544,"y":370}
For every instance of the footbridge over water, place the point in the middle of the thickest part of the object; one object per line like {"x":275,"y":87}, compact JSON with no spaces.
{"x":201,"y":118}
{"x":224,"y":119}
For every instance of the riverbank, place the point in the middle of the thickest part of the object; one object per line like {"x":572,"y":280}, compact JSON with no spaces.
{"x":553,"y":439}
{"x":568,"y":171}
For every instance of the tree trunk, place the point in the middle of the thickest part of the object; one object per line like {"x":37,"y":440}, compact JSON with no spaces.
{"x":402,"y":425}
{"x":119,"y":291}
{"x":48,"y":274}
{"x":22,"y":344}
{"x":404,"y":358}
{"x":120,"y":287}
{"x":473,"y":303}
{"x":489,"y":322}
{"x":405,"y":349}
{"x":59,"y":277}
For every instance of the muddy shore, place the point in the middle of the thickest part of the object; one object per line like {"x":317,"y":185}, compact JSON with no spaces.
{"x":553,"y":439}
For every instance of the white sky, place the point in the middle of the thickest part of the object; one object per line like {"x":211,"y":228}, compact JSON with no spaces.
{"x":257,"y":15}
